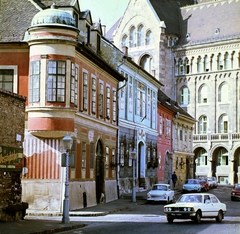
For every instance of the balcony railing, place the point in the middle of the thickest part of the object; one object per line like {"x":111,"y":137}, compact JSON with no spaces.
{"x":215,"y":137}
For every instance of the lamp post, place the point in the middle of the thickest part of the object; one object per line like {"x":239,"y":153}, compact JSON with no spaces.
{"x":67,"y":143}
{"x":133,"y":175}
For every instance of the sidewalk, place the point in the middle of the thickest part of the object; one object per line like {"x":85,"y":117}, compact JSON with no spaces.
{"x":46,"y":222}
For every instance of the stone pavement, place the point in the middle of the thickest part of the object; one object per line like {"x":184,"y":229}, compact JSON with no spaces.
{"x":46,"y":222}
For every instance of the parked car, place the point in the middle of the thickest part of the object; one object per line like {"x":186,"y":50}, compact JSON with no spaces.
{"x":192,"y":185}
{"x":204,"y":183}
{"x":215,"y":182}
{"x":196,"y":206}
{"x":235,"y":193}
{"x":212,"y":182}
{"x":161,"y":192}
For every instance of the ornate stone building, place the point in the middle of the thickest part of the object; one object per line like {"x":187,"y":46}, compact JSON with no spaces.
{"x":192,"y":47}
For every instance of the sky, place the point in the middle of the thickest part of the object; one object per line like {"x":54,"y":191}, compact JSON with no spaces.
{"x":108,"y":11}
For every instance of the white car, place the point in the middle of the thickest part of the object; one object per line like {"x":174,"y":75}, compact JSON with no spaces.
{"x":161,"y":192}
{"x":195,"y":206}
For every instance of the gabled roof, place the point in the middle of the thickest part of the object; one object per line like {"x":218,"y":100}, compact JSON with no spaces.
{"x":172,"y":105}
{"x":86,"y":15}
{"x":111,"y":31}
{"x":215,"y":20}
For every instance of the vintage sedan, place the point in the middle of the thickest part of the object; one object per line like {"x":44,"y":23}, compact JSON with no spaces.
{"x":195,"y":206}
{"x":192,"y":185}
{"x":235,"y":193}
{"x":160,"y":192}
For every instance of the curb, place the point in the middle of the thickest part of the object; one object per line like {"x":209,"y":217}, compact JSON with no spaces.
{"x":61,"y":229}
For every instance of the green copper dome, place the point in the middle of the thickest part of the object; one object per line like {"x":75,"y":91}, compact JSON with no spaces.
{"x":53,"y":16}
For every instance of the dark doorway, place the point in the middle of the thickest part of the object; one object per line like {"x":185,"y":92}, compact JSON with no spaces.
{"x":99,"y":171}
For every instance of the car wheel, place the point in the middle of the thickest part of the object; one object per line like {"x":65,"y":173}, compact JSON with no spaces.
{"x":198,"y":217}
{"x":232,"y":199}
{"x":219,"y":218}
{"x":170,"y":220}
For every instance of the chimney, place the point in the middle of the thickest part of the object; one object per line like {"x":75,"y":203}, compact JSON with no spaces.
{"x":104,"y":29}
{"x":125,"y":50}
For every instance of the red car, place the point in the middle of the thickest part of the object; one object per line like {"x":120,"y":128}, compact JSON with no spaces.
{"x":204,"y":183}
{"x":235,"y":194}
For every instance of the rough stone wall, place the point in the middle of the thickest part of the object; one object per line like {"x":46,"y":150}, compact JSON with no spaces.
{"x":12,"y":117}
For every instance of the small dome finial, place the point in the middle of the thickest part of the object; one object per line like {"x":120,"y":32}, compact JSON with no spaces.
{"x":54,"y":6}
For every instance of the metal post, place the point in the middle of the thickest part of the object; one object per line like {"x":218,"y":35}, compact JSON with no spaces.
{"x":134,"y":182}
{"x":65,"y":218}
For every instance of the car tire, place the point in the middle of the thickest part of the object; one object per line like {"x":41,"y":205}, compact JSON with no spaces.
{"x":219,"y":218}
{"x":170,"y":220}
{"x":198,"y":217}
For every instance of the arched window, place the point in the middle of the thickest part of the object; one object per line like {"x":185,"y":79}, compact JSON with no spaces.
{"x":125,"y":40}
{"x":140,"y":41}
{"x":199,"y":64}
{"x":223,"y":124}
{"x":185,"y":96}
{"x":146,"y":63}
{"x":223,"y":95}
{"x":132,"y":39}
{"x":202,"y":125}
{"x":180,"y":67}
{"x":219,"y":62}
{"x":226,"y":61}
{"x":202,"y":94}
{"x":148,"y":37}
{"x":206,"y":63}
{"x":186,"y":66}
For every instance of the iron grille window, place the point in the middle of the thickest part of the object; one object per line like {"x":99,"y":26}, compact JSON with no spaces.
{"x":56,"y":81}
{"x":6,"y":79}
{"x":34,"y":82}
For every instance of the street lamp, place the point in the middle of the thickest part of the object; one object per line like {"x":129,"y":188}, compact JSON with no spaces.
{"x":133,"y":175}
{"x":67,"y":143}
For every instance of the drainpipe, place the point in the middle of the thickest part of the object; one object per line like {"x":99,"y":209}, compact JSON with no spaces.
{"x":118,"y":138}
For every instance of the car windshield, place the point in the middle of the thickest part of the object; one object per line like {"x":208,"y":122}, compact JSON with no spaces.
{"x":159,"y":187}
{"x":237,"y":187}
{"x":192,"y":181}
{"x":190,"y":198}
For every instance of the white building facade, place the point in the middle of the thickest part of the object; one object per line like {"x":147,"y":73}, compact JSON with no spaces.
{"x":193,"y":48}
